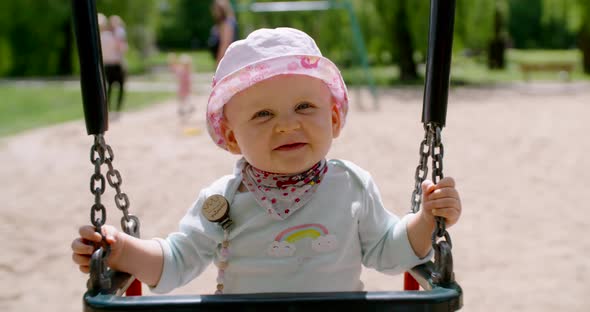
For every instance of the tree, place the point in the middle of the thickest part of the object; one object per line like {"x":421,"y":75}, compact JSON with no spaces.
{"x":40,"y":33}
{"x":475,"y":29}
{"x":584,"y":42}
{"x":185,"y":24}
{"x":575,"y":14}
{"x":32,"y":30}
{"x":406,"y":26}
{"x":497,"y":46}
{"x":584,"y":33}
{"x":330,"y":29}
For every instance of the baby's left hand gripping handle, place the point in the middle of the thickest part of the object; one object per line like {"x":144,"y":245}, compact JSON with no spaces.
{"x":92,"y":79}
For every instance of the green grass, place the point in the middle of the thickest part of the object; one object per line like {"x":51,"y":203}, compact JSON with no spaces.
{"x":545,"y":56}
{"x":28,"y":107}
{"x":474,"y":71}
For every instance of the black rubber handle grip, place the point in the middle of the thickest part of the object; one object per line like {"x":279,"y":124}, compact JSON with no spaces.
{"x":92,"y":79}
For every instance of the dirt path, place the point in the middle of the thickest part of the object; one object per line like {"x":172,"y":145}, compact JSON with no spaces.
{"x":520,"y":155}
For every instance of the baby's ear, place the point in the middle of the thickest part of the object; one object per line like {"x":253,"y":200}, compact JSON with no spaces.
{"x":230,"y":138}
{"x":336,"y":119}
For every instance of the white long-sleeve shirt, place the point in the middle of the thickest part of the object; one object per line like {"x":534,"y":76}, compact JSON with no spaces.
{"x":319,"y":248}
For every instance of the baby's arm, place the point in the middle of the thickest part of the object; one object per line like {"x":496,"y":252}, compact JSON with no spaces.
{"x":139,"y":257}
{"x":440,"y":200}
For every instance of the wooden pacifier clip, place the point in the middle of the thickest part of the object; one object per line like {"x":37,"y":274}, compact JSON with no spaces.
{"x":216,"y":210}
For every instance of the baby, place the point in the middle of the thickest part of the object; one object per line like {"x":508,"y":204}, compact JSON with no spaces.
{"x":181,"y":67}
{"x":287,"y":219}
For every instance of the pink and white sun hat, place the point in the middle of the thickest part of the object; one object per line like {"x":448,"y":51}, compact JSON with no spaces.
{"x":266,"y":53}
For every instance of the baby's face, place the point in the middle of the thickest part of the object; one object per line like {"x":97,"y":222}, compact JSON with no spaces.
{"x":284,"y":124}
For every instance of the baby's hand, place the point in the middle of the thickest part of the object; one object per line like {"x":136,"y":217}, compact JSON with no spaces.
{"x":83,"y":246}
{"x":441,"y":200}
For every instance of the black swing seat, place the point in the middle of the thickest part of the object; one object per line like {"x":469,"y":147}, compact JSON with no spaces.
{"x":448,"y":297}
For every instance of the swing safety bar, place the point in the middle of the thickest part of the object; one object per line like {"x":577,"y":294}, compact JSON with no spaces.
{"x":441,"y":292}
{"x":435,"y":299}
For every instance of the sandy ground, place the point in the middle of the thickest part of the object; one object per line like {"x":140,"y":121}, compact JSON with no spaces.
{"x":520,"y":155}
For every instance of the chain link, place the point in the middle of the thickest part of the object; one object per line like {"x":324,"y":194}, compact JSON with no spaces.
{"x":102,"y":153}
{"x":97,"y":159}
{"x":421,"y":171}
{"x":437,"y":154}
{"x":431,"y":146}
{"x":115,"y":181}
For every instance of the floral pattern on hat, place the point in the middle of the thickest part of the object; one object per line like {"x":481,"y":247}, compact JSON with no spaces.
{"x":309,"y":65}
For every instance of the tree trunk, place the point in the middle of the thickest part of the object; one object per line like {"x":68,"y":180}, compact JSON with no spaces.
{"x":497,"y":47}
{"x":584,"y":45}
{"x":65,"y":66}
{"x":496,"y":51}
{"x":404,"y":45}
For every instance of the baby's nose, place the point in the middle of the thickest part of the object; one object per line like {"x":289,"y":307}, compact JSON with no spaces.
{"x":287,"y":125}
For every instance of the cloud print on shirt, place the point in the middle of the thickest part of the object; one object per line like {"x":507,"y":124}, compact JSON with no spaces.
{"x":324,"y":243}
{"x":281,"y":249}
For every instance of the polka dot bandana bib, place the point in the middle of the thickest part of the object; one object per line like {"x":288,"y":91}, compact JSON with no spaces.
{"x":282,"y":195}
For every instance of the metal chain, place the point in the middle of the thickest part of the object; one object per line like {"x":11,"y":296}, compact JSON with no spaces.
{"x":421,"y":171}
{"x":437,"y":154}
{"x":129,"y":223}
{"x":432,"y":146}
{"x":98,"y":273}
{"x":97,"y":158}
{"x":100,"y":154}
{"x":443,"y":258}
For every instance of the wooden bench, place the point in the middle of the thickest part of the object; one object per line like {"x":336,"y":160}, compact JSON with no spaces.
{"x":563,"y":68}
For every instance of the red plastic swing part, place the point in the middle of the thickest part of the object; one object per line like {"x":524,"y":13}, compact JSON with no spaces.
{"x":410,"y":282}
{"x":134,"y":289}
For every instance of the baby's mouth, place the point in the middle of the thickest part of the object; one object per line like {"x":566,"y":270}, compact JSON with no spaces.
{"x":289,"y":147}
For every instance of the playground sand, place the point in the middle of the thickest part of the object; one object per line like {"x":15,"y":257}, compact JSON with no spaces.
{"x":520,"y":155}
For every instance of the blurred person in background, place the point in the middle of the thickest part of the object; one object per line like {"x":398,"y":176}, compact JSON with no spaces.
{"x":225,"y":30}
{"x":113,"y":40}
{"x":182,"y":67}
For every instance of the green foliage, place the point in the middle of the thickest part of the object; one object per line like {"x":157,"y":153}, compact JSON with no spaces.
{"x":474,"y":24}
{"x":543,"y":23}
{"x":40,"y":33}
{"x":568,"y":12}
{"x":330,"y":29}
{"x":184,"y":24}
{"x":374,"y":33}
{"x":5,"y":56}
{"x":31,"y":29}
{"x":418,"y":18}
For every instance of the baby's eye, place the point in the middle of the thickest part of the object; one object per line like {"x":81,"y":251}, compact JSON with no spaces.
{"x":261,"y":114}
{"x":304,"y":105}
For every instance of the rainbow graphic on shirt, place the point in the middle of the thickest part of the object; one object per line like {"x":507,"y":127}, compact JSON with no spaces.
{"x":295,"y":233}
{"x":284,"y":243}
